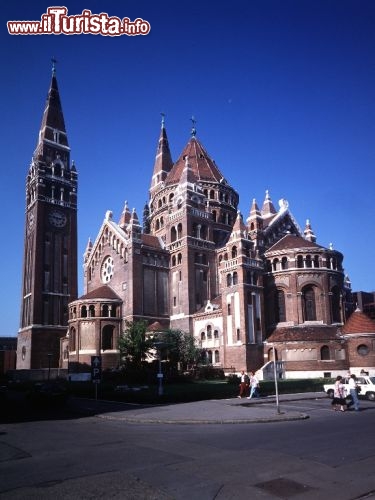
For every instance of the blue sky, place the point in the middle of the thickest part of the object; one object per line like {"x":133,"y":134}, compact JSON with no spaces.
{"x":282,"y":90}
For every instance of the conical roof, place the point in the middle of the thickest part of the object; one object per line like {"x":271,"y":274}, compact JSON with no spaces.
{"x":52,"y":128}
{"x":201,"y":166}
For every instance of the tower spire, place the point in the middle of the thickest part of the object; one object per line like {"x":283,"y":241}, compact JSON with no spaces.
{"x":53,"y":140}
{"x":163,"y":160}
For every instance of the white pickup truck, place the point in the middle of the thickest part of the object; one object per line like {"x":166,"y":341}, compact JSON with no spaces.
{"x":366,"y":384}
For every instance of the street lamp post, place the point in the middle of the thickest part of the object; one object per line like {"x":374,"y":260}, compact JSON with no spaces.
{"x":158,"y":346}
{"x":275,"y":378}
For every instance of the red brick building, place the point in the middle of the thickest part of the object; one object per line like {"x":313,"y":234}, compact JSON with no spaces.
{"x":246,"y":287}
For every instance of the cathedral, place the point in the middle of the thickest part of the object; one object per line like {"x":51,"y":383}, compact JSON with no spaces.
{"x":251,"y":288}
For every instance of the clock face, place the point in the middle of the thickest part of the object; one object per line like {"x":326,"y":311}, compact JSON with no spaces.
{"x":57,"y":218}
{"x":107,"y":269}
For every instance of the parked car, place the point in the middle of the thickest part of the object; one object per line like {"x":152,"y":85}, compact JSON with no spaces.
{"x":365,"y":383}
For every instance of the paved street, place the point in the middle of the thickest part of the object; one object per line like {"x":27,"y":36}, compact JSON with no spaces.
{"x":100,"y":453}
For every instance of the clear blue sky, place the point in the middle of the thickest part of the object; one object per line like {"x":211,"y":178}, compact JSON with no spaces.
{"x":283,"y":93}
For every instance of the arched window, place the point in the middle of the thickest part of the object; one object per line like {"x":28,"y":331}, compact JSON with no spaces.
{"x":300,"y":261}
{"x":105,"y":311}
{"x":324,"y":353}
{"x":235,"y":278}
{"x":72,"y":339}
{"x":316,"y":260}
{"x":83,"y":312}
{"x":229,"y":280}
{"x":234,"y":252}
{"x":280,"y":314}
{"x":216,"y":334}
{"x":92,"y":311}
{"x":217,"y":357}
{"x":173,"y":260}
{"x":203,"y":335}
{"x":309,"y":307}
{"x":214,"y":215}
{"x":209,"y":357}
{"x":308,"y":261}
{"x":179,"y":258}
{"x":179,"y":231}
{"x":107,"y":337}
{"x":173,"y":234}
{"x":275,"y":264}
{"x":335,"y":305}
{"x":284,"y":263}
{"x":209,"y":332}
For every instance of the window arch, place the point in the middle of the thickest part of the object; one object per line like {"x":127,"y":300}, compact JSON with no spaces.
{"x":107,"y":337}
{"x":203,"y":335}
{"x":284,"y":263}
{"x":229,"y":280}
{"x":72,"y":339}
{"x":309,"y":307}
{"x":83,"y":312}
{"x":335,"y":305}
{"x":235,"y":278}
{"x":299,"y":261}
{"x":234,"y":252}
{"x":280,"y":313}
{"x":217,"y":356}
{"x":173,"y":234}
{"x":324,"y":353}
{"x":209,"y":332}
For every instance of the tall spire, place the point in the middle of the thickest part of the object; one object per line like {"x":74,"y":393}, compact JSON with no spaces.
{"x":308,"y":232}
{"x":52,"y":138}
{"x":125,"y":216}
{"x":268,"y":208}
{"x":163,"y":160}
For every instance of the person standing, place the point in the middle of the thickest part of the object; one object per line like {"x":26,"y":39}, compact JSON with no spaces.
{"x":338,"y":394}
{"x":254,"y":386}
{"x":244,"y":384}
{"x":354,"y":391}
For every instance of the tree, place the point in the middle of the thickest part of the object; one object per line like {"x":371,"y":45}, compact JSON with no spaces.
{"x":178,"y":347}
{"x":134,"y":345}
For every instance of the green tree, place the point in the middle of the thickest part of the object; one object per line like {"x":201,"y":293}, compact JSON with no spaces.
{"x":134,"y":345}
{"x":178,"y":347}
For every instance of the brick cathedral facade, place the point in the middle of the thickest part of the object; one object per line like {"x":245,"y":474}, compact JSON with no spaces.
{"x":248,"y":287}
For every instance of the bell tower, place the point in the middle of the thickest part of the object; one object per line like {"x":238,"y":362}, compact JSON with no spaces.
{"x":50,"y":244}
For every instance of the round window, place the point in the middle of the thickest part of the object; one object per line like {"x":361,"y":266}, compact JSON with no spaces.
{"x":363,"y":350}
{"x":107,"y":269}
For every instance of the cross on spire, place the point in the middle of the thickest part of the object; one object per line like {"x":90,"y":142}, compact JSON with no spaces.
{"x":53,"y":61}
{"x":193,"y":129}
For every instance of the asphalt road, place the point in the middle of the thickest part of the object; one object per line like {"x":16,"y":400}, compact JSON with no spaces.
{"x":65,"y":454}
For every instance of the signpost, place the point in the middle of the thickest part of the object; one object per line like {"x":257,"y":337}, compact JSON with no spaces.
{"x":96,"y":372}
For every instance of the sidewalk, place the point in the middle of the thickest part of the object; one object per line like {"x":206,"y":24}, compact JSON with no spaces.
{"x":219,"y":411}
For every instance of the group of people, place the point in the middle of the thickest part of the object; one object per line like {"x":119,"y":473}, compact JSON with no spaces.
{"x":340,"y":398}
{"x":249,"y":385}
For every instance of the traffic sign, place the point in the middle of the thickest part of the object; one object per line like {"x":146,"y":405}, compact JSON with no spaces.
{"x":96,"y":369}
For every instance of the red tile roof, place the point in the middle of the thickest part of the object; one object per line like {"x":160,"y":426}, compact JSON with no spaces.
{"x":151,"y":241}
{"x":303,"y":333}
{"x":202,"y":166}
{"x":103,"y":292}
{"x":359,"y":322}
{"x":290,"y":241}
